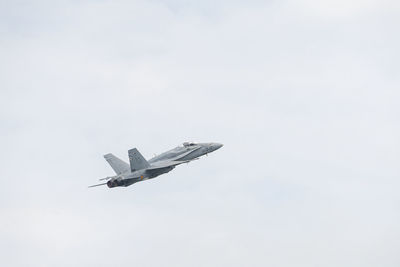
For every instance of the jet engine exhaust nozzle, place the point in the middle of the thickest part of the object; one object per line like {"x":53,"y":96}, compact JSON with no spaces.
{"x":114,"y":183}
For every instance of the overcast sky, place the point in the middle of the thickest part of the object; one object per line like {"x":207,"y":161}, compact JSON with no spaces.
{"x":304,"y":95}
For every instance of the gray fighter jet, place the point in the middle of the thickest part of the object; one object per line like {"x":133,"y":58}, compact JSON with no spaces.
{"x":141,"y":169}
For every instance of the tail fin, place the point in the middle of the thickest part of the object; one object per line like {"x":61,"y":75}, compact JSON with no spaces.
{"x":119,"y":166}
{"x":137,"y":161}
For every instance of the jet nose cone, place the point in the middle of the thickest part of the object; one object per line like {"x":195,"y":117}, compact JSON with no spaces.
{"x":218,"y":146}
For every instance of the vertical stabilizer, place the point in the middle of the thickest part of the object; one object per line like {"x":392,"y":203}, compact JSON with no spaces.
{"x":137,"y":161}
{"x":118,"y":165}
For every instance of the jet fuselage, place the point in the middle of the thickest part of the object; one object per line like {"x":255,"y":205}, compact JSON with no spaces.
{"x":141,"y":169}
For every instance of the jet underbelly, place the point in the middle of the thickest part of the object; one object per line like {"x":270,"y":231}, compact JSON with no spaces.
{"x":156,"y":172}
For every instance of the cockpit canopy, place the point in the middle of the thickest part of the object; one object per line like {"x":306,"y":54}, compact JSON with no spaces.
{"x":187,"y":144}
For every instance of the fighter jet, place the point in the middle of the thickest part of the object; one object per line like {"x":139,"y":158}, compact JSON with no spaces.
{"x":141,"y":169}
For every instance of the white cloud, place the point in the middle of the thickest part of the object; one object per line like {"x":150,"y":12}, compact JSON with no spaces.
{"x":303,"y":95}
{"x":343,"y":9}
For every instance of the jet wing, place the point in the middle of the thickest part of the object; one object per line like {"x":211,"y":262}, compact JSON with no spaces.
{"x":185,"y":154}
{"x":166,"y":164}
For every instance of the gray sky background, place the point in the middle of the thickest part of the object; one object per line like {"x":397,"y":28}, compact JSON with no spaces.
{"x":304,"y":95}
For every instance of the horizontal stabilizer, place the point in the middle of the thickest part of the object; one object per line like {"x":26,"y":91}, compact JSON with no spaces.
{"x":97,"y":185}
